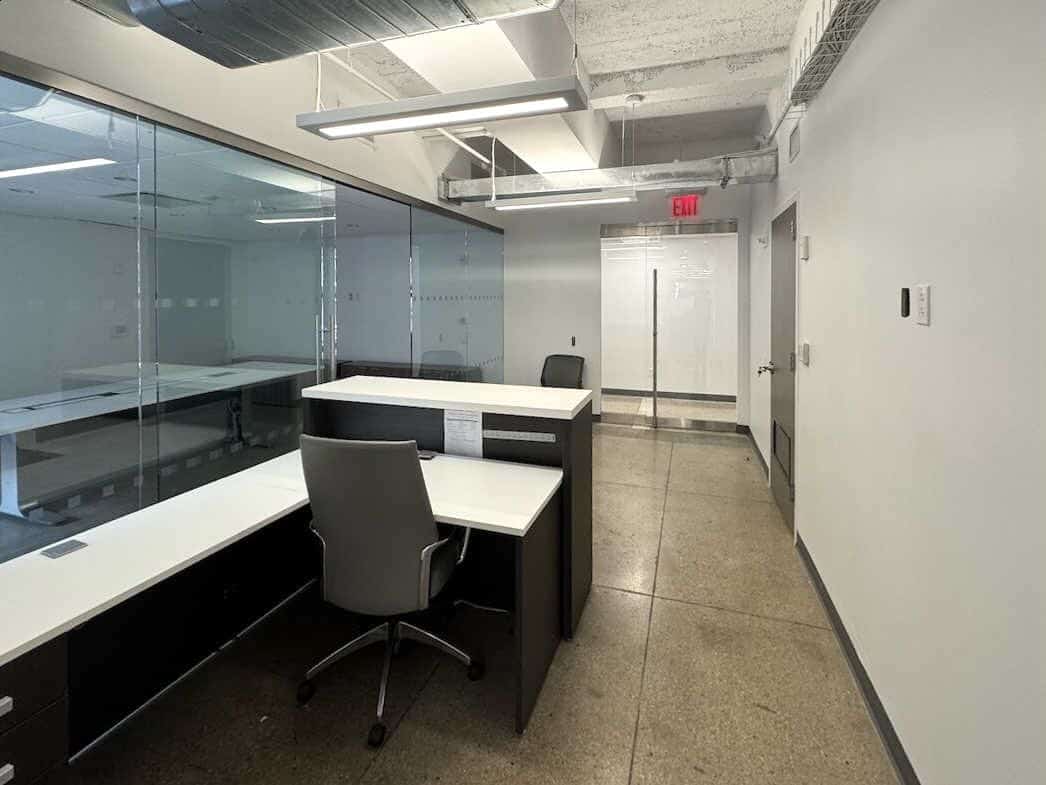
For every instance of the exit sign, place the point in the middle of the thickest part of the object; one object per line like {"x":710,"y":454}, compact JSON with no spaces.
{"x":685,"y":206}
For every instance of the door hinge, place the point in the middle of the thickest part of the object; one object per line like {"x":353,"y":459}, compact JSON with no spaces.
{"x":791,"y":361}
{"x":791,"y":227}
{"x":791,"y":492}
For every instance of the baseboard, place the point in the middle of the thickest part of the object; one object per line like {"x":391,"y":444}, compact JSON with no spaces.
{"x":597,"y":417}
{"x":901,"y":763}
{"x":676,"y":395}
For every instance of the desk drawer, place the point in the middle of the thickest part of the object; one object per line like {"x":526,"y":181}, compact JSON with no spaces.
{"x":32,"y":749}
{"x":34,"y":680}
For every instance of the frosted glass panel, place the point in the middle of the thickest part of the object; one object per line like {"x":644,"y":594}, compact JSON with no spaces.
{"x":238,"y":245}
{"x":69,"y":396}
{"x":441,"y":312}
{"x":697,"y":309}
{"x":486,"y":287}
{"x":373,"y":288}
{"x":697,"y":314}
{"x":627,"y":313}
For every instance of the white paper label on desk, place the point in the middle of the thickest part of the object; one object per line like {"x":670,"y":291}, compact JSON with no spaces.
{"x":463,"y":433}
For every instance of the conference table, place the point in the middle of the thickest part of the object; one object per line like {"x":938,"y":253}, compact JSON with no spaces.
{"x":112,"y":389}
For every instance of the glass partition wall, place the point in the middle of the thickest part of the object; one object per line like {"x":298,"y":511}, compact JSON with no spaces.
{"x":164,"y":299}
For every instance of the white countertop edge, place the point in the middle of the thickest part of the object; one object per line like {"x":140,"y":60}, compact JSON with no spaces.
{"x":450,"y":402}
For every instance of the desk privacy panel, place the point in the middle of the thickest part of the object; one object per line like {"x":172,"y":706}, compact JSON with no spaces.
{"x":164,"y":299}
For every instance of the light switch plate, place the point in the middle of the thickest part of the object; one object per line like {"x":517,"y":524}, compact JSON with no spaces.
{"x":804,"y":353}
{"x":922,"y":304}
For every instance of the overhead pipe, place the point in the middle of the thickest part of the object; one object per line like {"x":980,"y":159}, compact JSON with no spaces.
{"x":757,"y":166}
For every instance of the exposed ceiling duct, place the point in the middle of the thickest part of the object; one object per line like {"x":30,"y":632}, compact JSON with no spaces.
{"x":237,"y":33}
{"x":759,"y":166}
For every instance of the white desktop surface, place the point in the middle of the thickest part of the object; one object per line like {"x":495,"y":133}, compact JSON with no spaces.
{"x":552,"y":402}
{"x":494,"y":496}
{"x":42,"y":598}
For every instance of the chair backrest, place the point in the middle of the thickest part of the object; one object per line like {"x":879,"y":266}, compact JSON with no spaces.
{"x":371,"y":509}
{"x":562,"y":370}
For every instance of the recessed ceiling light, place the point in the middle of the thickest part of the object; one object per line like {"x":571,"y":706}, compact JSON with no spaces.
{"x":64,"y":166}
{"x":525,"y":99}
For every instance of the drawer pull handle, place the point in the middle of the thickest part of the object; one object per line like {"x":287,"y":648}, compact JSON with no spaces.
{"x":7,"y":773}
{"x":7,"y":705}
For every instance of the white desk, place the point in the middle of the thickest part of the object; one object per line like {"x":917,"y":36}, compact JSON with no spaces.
{"x":493,"y":496}
{"x":114,"y":388}
{"x":540,"y":426}
{"x":42,"y":598}
{"x":550,"y":402}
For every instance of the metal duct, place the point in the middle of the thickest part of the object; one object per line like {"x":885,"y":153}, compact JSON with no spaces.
{"x":825,"y":44}
{"x":759,"y":166}
{"x":113,"y":10}
{"x":237,"y":33}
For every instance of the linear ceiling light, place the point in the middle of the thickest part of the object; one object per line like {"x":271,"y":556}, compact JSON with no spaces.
{"x":64,"y":166}
{"x":525,"y":99}
{"x":564,"y":200}
{"x":296,"y":220}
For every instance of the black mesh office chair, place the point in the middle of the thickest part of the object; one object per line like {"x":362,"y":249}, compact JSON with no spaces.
{"x":562,"y":370}
{"x":382,"y":553}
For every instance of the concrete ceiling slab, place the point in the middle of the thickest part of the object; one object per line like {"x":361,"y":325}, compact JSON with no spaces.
{"x":621,"y":35}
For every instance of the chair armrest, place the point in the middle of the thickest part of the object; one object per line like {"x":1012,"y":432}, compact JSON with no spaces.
{"x":425,"y":574}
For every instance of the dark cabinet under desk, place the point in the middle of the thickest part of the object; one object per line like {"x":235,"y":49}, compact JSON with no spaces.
{"x":545,"y":441}
{"x":124,"y":657}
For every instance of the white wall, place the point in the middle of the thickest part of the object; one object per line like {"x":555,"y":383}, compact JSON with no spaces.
{"x":552,"y":282}
{"x":920,"y":449}
{"x":259,"y":102}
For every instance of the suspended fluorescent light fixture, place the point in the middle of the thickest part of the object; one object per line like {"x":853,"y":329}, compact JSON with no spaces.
{"x":63,"y":166}
{"x":618,"y":196}
{"x":525,"y":99}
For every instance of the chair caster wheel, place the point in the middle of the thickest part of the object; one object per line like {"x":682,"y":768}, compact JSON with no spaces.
{"x":376,"y":737}
{"x":477,"y":670}
{"x":305,"y":692}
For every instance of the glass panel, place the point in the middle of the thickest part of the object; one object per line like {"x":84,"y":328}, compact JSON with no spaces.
{"x":486,"y":340}
{"x":697,"y":328}
{"x":441,"y":331}
{"x":627,"y":314}
{"x":373,"y":285}
{"x":238,"y":254}
{"x":69,"y":391}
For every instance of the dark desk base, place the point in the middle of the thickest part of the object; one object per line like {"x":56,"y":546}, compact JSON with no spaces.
{"x":570,"y":448}
{"x":521,"y":574}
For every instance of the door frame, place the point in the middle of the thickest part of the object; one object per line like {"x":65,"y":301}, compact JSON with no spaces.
{"x":779,"y":208}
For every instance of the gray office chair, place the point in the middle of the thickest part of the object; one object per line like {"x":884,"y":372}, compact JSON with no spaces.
{"x":382,"y":553}
{"x":562,"y":370}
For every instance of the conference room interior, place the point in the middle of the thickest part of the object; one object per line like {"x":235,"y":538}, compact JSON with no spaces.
{"x":613,"y":445}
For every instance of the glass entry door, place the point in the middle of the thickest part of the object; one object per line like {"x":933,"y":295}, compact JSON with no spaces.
{"x":670,"y":326}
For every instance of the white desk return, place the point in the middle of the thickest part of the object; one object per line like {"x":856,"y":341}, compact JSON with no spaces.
{"x":42,"y":598}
